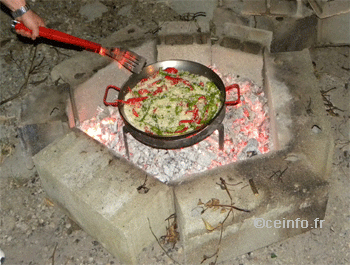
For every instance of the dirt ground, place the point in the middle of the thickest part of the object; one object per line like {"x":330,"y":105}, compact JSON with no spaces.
{"x":34,"y":231}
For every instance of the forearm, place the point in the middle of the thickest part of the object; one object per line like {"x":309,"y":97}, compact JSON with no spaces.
{"x":14,"y":4}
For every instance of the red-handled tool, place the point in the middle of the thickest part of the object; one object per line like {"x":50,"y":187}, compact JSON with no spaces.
{"x":130,"y":60}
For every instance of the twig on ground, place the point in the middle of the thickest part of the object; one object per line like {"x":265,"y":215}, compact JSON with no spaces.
{"x":279,"y":173}
{"x":150,"y":228}
{"x":53,"y":255}
{"x":26,"y":79}
{"x":215,"y":203}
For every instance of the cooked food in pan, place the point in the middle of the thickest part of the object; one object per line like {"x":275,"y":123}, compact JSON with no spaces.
{"x":172,"y":102}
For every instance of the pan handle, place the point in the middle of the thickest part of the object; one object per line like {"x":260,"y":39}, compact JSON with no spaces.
{"x":232,"y":103}
{"x":114,"y":104}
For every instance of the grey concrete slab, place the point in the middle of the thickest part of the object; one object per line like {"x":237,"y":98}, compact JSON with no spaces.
{"x":182,"y":7}
{"x":248,"y":34}
{"x":284,"y":7}
{"x":334,"y":30}
{"x":299,"y":194}
{"x":102,"y":194}
{"x":324,"y":9}
{"x":254,"y":8}
{"x":181,"y":40}
{"x":239,"y":63}
{"x":305,"y":105}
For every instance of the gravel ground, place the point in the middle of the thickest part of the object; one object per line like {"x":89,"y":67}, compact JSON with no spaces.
{"x":34,"y":231}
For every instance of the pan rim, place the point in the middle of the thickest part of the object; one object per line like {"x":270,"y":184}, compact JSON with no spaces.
{"x":185,"y":65}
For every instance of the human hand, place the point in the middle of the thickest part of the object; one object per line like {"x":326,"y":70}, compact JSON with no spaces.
{"x":32,"y":21}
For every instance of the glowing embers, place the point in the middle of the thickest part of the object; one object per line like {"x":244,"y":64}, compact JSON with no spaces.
{"x":246,"y":135}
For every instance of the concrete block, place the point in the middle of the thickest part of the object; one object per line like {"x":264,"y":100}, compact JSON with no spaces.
{"x":248,"y":34}
{"x":254,"y":8}
{"x":236,"y":62}
{"x":303,"y":104}
{"x":334,"y":30}
{"x":283,"y":7}
{"x":102,"y":194}
{"x":196,"y":53}
{"x":298,"y":194}
{"x":324,"y":9}
{"x":182,"y":27}
{"x":181,"y":40}
{"x":182,"y":7}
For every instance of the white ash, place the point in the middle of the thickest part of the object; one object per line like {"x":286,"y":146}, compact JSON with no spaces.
{"x":246,"y":135}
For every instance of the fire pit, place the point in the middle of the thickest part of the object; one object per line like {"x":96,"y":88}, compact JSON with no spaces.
{"x":118,"y":201}
{"x":244,"y":133}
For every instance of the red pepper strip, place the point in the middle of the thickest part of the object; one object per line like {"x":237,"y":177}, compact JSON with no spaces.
{"x":154,"y":111}
{"x":132,"y":101}
{"x":187,"y":83}
{"x":159,"y":90}
{"x":143,"y":80}
{"x":185,"y":121}
{"x":156,"y":82}
{"x":195,"y":114}
{"x":135,"y":113}
{"x":143,"y":91}
{"x":174,"y":80}
{"x":171,"y":70}
{"x":181,"y":131}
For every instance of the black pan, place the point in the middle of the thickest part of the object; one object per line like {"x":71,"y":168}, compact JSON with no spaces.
{"x":177,"y":141}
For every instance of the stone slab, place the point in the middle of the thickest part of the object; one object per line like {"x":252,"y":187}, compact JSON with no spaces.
{"x":102,"y":194}
{"x":248,"y":34}
{"x":298,"y":194}
{"x":284,"y":7}
{"x":182,"y":41}
{"x":182,"y":7}
{"x":303,"y":104}
{"x":239,"y":63}
{"x":254,"y":8}
{"x":324,"y":9}
{"x":334,"y":30}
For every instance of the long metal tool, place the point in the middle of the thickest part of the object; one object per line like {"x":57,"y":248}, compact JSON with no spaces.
{"x":128,"y":59}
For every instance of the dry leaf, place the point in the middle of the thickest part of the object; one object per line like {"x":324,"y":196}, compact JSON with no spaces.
{"x":48,"y":202}
{"x":223,"y":210}
{"x":213,"y":202}
{"x":208,"y":226}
